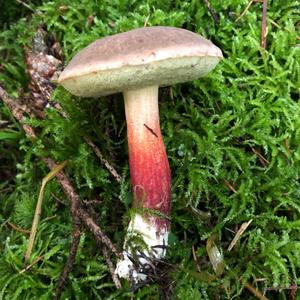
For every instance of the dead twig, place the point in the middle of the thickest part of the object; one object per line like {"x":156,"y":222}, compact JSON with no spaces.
{"x":26,"y":5}
{"x":146,"y":21}
{"x":32,"y":264}
{"x":239,"y":233}
{"x":110,"y":266}
{"x":244,"y":11}
{"x":263,"y":160}
{"x":76,"y":208}
{"x":108,"y":166}
{"x":17,"y":228}
{"x":230,"y":186}
{"x":264,"y":29}
{"x":97,"y":232}
{"x":292,"y":287}
{"x":195,"y":258}
{"x":69,"y":264}
{"x":212,"y":11}
{"x":255,"y":292}
{"x":17,"y":111}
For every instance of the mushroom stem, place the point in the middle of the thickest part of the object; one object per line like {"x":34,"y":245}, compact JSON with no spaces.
{"x":150,"y":178}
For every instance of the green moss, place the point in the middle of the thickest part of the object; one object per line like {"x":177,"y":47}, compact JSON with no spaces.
{"x":232,"y":139}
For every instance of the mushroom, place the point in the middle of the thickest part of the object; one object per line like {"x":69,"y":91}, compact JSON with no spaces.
{"x":136,"y":63}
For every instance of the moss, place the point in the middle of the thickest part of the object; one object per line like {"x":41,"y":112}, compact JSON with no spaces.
{"x":232,"y":139}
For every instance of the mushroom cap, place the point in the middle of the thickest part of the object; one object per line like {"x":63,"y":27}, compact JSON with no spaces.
{"x":137,"y":59}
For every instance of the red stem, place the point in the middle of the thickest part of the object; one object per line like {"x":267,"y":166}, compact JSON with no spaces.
{"x":149,"y":166}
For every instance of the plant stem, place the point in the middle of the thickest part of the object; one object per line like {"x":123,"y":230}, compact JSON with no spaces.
{"x":149,"y":166}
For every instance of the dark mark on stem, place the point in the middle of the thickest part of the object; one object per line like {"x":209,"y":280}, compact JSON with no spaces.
{"x":151,"y":130}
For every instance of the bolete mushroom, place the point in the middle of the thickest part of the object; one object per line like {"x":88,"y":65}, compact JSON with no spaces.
{"x":136,"y":63}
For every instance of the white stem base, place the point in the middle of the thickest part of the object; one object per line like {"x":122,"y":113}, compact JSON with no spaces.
{"x":156,"y":243}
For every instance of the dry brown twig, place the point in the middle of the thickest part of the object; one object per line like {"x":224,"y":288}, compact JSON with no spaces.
{"x":263,"y":160}
{"x":212,"y":11}
{"x":230,"y":186}
{"x":255,"y":292}
{"x":239,"y":233}
{"x":76,"y":234}
{"x":109,"y":167}
{"x":264,"y":29}
{"x":244,"y":11}
{"x":32,"y":264}
{"x":17,"y":228}
{"x":195,"y":259}
{"x":110,"y":266}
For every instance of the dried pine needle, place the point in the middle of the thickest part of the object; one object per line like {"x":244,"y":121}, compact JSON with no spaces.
{"x":38,"y":209}
{"x":239,"y":233}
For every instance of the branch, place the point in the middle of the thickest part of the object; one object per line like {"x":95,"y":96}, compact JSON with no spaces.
{"x":98,"y":233}
{"x":264,"y":30}
{"x":69,"y":264}
{"x":110,"y":168}
{"x":111,"y":267}
{"x":212,"y":11}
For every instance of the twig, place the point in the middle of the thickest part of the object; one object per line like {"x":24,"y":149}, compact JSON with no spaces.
{"x":292,"y":287}
{"x":69,"y":264}
{"x":26,"y":5}
{"x":275,"y":24}
{"x":239,"y":233}
{"x":146,"y":21}
{"x":31,"y":265}
{"x":195,"y":259}
{"x":286,"y":145}
{"x":245,"y":10}
{"x":110,"y":266}
{"x":264,"y":30}
{"x":109,"y":167}
{"x":17,"y":111}
{"x":212,"y":11}
{"x":230,"y":186}
{"x":255,"y":292}
{"x":98,"y":233}
{"x":263,"y":160}
{"x":17,"y":228}
{"x":76,"y":208}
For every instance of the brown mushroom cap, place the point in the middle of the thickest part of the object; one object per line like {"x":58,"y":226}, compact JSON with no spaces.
{"x":139,"y":58}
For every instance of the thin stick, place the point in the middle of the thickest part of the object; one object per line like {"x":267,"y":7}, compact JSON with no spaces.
{"x":146,"y":21}
{"x":111,"y":267}
{"x":38,"y":209}
{"x":255,"y":292}
{"x":69,"y":264}
{"x":17,"y":228}
{"x":82,"y":214}
{"x":239,"y":233}
{"x":26,"y":5}
{"x":31,"y":265}
{"x":109,"y":167}
{"x":264,"y":30}
{"x":195,"y":258}
{"x":17,"y":111}
{"x":245,"y":10}
{"x":212,"y":11}
{"x":263,"y":160}
{"x":230,"y":186}
{"x":98,"y":233}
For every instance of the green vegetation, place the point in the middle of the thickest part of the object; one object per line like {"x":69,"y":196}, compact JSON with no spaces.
{"x":233,"y":141}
